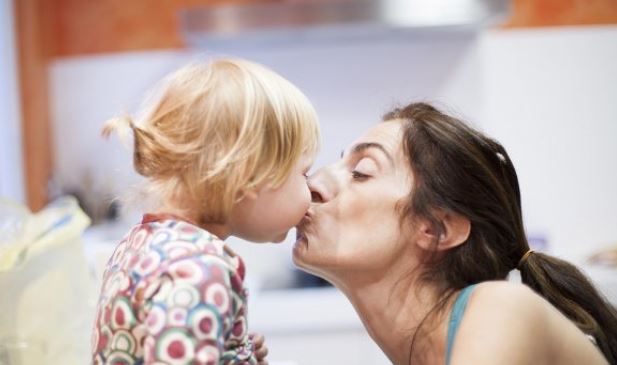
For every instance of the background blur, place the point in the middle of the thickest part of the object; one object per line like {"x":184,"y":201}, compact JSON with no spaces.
{"x":538,"y":75}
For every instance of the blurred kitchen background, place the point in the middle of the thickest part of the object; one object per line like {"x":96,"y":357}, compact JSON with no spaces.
{"x":539,"y":75}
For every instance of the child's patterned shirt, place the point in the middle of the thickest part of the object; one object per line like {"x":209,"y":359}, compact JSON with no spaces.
{"x":172,"y":293}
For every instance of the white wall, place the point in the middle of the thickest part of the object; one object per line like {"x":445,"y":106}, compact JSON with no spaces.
{"x":11,"y":171}
{"x":551,"y":98}
{"x":87,"y":91}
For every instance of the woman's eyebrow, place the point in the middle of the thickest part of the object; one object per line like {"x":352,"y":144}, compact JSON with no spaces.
{"x":361,"y":147}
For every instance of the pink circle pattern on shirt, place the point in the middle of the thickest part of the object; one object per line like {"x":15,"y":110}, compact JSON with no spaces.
{"x":172,"y":294}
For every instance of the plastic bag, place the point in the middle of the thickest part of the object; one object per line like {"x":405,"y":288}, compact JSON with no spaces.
{"x":45,"y":286}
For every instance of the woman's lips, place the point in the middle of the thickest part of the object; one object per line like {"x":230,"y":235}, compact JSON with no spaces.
{"x":306,"y":220}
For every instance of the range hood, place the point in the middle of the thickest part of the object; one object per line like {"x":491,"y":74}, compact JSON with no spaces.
{"x":284,"y":21}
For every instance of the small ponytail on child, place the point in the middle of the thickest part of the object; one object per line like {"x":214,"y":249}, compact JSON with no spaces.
{"x":153,"y":158}
{"x":153,"y":155}
{"x":121,"y":125}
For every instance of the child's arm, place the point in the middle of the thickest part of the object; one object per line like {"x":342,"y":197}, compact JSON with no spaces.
{"x":193,"y":312}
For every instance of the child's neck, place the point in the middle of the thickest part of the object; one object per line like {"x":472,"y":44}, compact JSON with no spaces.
{"x":220,"y":230}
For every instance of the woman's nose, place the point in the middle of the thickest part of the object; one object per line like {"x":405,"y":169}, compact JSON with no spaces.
{"x":316,"y":197}
{"x":322,"y":185}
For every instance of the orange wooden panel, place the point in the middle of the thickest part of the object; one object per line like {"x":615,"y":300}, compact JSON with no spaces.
{"x":100,"y":26}
{"x":86,"y":26}
{"x":33,"y":48}
{"x":538,"y":13}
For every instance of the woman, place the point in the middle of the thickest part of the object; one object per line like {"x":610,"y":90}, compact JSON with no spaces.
{"x":419,"y":224}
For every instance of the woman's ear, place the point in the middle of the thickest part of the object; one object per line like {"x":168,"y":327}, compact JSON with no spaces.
{"x":456,"y":229}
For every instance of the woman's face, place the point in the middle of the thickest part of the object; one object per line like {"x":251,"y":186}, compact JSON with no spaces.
{"x":354,"y":221}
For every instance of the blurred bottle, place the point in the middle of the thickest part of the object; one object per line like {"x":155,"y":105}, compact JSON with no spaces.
{"x":13,"y":219}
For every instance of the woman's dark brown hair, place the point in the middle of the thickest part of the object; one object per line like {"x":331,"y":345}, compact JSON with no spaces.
{"x":458,"y":169}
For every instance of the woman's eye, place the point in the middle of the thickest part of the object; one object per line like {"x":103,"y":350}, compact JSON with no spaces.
{"x":358,"y":175}
{"x":364,"y":169}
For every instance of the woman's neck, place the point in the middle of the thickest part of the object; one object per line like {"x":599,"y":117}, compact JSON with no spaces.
{"x":392,"y":308}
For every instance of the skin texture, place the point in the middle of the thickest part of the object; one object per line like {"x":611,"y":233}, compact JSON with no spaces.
{"x":354,"y":237}
{"x":266,"y":214}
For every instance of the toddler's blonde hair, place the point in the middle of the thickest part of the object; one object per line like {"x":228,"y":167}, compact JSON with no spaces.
{"x":217,"y":129}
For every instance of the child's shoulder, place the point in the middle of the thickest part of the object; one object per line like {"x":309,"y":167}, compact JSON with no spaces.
{"x":170,"y":244}
{"x":174,"y":237}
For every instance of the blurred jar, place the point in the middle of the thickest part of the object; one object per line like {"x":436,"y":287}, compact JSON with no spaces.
{"x":14,"y":351}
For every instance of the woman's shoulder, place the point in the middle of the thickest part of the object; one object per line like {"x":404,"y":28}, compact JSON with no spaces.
{"x":504,"y":317}
{"x":508,"y":323}
{"x":505,"y":305}
{"x":497,"y":296}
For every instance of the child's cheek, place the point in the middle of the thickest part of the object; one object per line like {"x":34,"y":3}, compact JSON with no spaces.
{"x":305,"y":193}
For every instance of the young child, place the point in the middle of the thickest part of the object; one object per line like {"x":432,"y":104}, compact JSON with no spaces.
{"x":225,"y":152}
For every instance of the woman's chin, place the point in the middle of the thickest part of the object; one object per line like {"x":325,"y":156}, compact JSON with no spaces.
{"x":300,"y":249}
{"x":300,"y":244}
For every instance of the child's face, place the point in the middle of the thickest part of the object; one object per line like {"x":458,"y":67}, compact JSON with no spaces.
{"x":266,"y":215}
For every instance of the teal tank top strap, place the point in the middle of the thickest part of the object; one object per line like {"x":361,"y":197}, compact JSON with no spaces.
{"x":458,"y":309}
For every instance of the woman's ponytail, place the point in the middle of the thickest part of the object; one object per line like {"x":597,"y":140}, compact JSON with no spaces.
{"x":567,"y":288}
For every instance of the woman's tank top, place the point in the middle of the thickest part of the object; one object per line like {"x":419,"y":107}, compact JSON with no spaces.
{"x":458,"y":309}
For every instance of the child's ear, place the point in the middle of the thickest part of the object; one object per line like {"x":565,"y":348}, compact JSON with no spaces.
{"x":456,"y":230}
{"x":248,"y":193}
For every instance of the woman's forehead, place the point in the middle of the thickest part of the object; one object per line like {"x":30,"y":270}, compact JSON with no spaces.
{"x":387,"y":134}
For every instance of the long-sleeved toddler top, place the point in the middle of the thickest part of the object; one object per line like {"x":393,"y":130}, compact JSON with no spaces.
{"x":172,"y":293}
